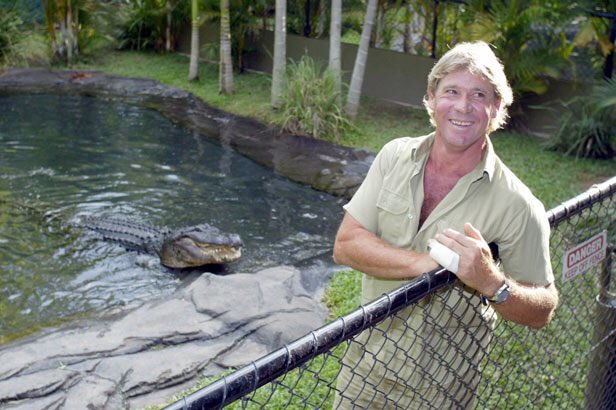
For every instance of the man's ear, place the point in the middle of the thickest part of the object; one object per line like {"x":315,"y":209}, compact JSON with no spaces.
{"x":430,"y":100}
{"x":496,"y":109}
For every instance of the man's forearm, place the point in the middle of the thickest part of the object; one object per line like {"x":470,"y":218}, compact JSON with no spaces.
{"x":363,"y":251}
{"x":529,"y":305}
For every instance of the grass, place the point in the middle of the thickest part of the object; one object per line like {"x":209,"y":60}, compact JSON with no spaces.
{"x":553,"y":177}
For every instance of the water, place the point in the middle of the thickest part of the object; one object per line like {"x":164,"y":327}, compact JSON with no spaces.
{"x":62,"y":157}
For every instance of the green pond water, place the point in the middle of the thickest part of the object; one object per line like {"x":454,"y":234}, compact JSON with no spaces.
{"x":66,"y":156}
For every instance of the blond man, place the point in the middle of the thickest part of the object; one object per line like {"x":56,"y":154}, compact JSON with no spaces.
{"x":448,"y":186}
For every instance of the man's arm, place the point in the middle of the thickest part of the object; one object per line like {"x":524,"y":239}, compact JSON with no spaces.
{"x":362,"y":250}
{"x":528,"y":304}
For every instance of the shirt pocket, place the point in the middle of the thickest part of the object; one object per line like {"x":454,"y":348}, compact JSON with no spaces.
{"x":394,"y":218}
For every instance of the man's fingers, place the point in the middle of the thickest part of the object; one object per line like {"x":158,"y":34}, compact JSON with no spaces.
{"x":471,"y":232}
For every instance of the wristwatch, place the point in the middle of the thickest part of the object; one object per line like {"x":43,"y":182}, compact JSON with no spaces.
{"x":501,"y":294}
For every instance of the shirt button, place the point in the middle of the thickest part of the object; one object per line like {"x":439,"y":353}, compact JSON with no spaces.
{"x":410,"y":216}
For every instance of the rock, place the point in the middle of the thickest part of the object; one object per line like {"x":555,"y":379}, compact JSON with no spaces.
{"x":164,"y":346}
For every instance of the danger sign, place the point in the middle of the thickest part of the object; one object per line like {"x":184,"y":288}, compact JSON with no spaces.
{"x":584,"y":256}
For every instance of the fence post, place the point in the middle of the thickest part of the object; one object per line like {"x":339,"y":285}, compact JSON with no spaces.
{"x":601,"y":381}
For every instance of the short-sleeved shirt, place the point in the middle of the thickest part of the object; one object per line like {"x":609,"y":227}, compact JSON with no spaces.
{"x":388,"y":203}
{"x":491,"y":197}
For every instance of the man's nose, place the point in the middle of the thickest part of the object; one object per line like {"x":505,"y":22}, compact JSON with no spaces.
{"x":463,"y":104}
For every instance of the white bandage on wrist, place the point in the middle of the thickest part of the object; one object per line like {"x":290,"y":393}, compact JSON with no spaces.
{"x":444,"y":256}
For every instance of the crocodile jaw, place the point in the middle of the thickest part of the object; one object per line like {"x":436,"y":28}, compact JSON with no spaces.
{"x":184,"y":252}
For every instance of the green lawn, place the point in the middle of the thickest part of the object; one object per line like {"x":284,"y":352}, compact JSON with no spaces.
{"x":553,"y":177}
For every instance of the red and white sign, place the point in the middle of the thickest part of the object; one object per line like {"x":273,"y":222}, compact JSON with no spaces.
{"x":584,"y":256}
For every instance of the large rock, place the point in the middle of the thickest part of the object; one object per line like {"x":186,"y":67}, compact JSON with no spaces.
{"x":149,"y":354}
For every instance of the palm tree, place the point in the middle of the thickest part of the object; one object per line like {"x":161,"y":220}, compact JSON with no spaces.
{"x":170,"y":5}
{"x":518,"y":31}
{"x":352,"y":105}
{"x":63,"y":14}
{"x":226,"y":63}
{"x":193,"y":70}
{"x":280,"y":46}
{"x":334,"y":43}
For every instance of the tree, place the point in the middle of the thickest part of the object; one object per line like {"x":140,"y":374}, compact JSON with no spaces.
{"x":529,"y":36}
{"x":334,"y":43}
{"x":170,"y":6}
{"x":352,"y":105}
{"x":226,"y":63}
{"x":63,"y":15}
{"x":280,"y":46}
{"x":193,"y":70}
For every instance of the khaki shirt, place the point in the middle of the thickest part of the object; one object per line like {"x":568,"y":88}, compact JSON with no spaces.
{"x":491,"y":197}
{"x":452,"y":327}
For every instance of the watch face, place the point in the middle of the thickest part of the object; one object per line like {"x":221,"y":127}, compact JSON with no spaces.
{"x":502,"y":294}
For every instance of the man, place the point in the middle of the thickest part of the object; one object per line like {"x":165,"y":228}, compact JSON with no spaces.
{"x":449,"y":186}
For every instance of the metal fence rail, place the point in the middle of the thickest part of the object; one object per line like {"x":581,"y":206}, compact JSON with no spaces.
{"x":569,"y":364}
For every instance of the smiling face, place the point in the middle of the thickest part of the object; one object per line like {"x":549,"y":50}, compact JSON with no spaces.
{"x":463,"y":105}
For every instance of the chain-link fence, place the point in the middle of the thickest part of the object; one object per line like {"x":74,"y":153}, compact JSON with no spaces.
{"x":461,"y":355}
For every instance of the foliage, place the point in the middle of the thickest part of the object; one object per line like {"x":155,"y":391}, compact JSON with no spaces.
{"x":592,"y":38}
{"x":588,"y":126}
{"x":78,"y":28}
{"x":311,"y":103}
{"x":10,"y":25}
{"x":145,"y":23}
{"x":20,"y":43}
{"x":28,"y":10}
{"x":247,"y":18}
{"x":528,"y":36}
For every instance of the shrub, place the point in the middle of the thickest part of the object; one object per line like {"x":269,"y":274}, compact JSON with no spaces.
{"x":588,"y":127}
{"x":311,"y":103}
{"x":10,"y":24}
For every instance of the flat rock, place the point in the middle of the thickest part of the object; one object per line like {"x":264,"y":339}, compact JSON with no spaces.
{"x":214,"y":323}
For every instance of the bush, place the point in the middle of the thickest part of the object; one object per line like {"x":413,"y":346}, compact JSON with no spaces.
{"x":588,"y":127}
{"x":9,"y":34}
{"x":311,"y":102}
{"x":144,"y":24}
{"x":20,"y":45}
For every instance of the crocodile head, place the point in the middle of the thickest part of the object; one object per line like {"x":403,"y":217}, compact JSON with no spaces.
{"x":199,"y":245}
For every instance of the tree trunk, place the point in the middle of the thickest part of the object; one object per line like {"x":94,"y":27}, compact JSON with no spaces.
{"x":280,"y":51}
{"x":334,"y":44}
{"x":322,"y":18}
{"x":168,"y":28}
{"x":193,"y":70}
{"x":226,"y":64}
{"x":380,"y":25}
{"x":352,"y":105}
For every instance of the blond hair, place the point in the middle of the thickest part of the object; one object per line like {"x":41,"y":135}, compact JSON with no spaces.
{"x":478,"y":58}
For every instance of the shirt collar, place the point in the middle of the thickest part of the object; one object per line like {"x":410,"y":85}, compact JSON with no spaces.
{"x":485,"y":167}
{"x":488,"y":164}
{"x":421,"y":151}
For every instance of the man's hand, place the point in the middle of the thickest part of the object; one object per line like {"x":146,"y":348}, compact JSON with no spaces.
{"x":528,"y":304}
{"x":476,"y":267}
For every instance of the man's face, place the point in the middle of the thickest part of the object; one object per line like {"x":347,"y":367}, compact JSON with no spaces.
{"x":463,"y":105}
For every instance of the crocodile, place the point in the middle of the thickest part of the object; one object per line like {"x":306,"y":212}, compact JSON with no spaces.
{"x":187,"y":247}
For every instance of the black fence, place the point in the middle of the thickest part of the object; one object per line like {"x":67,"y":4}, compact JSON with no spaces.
{"x":487,"y":363}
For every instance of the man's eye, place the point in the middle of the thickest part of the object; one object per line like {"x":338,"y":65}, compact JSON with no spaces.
{"x":450,"y":92}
